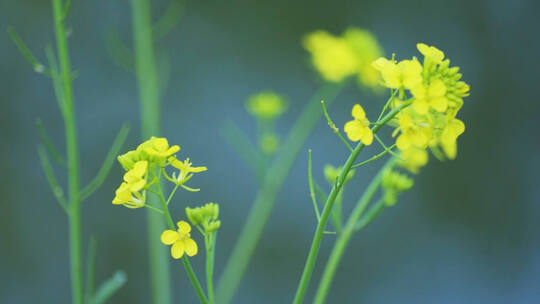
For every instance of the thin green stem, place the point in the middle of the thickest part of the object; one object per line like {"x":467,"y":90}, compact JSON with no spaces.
{"x":387,"y":104}
{"x":371,"y":214}
{"x":210,"y":242}
{"x":266,"y":198}
{"x":375,"y":157}
{"x":311,"y":188}
{"x":315,"y":245}
{"x":350,"y":228}
{"x":187,"y":265}
{"x":147,"y":83}
{"x":379,"y":140}
{"x":72,"y":155}
{"x":334,"y":128}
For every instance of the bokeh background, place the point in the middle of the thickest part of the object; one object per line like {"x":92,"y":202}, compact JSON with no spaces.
{"x":467,"y":233}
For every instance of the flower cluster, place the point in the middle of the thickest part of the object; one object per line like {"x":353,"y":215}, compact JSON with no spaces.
{"x":436,"y":93}
{"x":206,"y":216}
{"x":338,"y":57}
{"x":393,"y":183}
{"x":140,"y":165}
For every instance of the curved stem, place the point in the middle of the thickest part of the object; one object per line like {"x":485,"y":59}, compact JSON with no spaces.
{"x":345,"y":236}
{"x":317,"y":238}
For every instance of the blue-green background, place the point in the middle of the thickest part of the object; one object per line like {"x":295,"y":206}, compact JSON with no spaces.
{"x":467,"y":233}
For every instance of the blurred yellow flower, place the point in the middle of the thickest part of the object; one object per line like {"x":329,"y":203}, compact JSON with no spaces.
{"x":266,"y":105}
{"x":180,"y":240}
{"x":332,"y":56}
{"x":358,"y":129}
{"x":430,"y":52}
{"x":413,"y":159}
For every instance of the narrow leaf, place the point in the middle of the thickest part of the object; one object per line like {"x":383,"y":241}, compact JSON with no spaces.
{"x":109,"y":287}
{"x":38,"y":67}
{"x":239,"y":141}
{"x":57,"y":81}
{"x":51,"y":178}
{"x":107,"y":163}
{"x":49,"y":145}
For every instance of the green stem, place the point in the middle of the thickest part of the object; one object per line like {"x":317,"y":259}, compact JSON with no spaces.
{"x":72,"y":156}
{"x":345,"y":236}
{"x":187,"y":265}
{"x":210,"y":242}
{"x":147,"y":80}
{"x":315,"y":245}
{"x":266,"y":198}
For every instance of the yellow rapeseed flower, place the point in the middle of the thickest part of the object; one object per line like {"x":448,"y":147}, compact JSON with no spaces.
{"x":430,"y":96}
{"x":413,"y":132}
{"x":431,"y":53}
{"x":157,"y":149}
{"x":358,"y":129}
{"x":134,"y":181}
{"x":406,"y":73}
{"x":332,"y":56}
{"x":266,"y":105}
{"x":454,"y":127}
{"x":413,"y":159}
{"x":180,"y":240}
{"x":185,"y":170}
{"x":367,"y":49}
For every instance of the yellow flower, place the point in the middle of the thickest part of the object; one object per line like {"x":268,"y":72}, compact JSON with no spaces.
{"x":367,"y":49}
{"x":430,"y":52}
{"x":185,"y":170}
{"x":134,"y":181}
{"x":413,"y":159}
{"x":135,"y":178}
{"x":406,"y":73}
{"x":157,"y":150}
{"x":180,"y":240}
{"x":413,"y":132}
{"x":332,"y":56}
{"x":266,"y":105}
{"x":358,"y":129}
{"x":430,"y":96}
{"x":454,"y":128}
{"x":124,"y":196}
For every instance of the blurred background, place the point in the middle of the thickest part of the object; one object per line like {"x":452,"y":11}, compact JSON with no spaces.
{"x":466,"y":233}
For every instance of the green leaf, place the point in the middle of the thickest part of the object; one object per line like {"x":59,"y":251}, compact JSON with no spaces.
{"x":51,"y":178}
{"x":49,"y":145}
{"x":107,"y":163}
{"x":235,"y":137}
{"x":109,"y":287}
{"x":38,"y":67}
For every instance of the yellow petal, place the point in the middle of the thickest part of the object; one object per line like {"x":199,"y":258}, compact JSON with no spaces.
{"x":177,"y":249}
{"x":403,"y":142}
{"x":440,"y":104}
{"x":367,"y":138}
{"x":191,"y":247}
{"x":436,"y":88}
{"x":183,"y":227}
{"x":358,"y":112}
{"x":354,"y":130}
{"x":421,"y":106}
{"x":168,"y":237}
